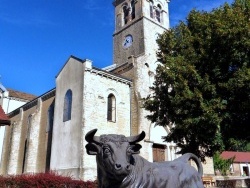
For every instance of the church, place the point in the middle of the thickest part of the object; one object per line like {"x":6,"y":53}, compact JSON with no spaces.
{"x":48,"y":133}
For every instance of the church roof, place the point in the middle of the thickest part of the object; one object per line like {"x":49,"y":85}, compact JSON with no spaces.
{"x":33,"y":102}
{"x":4,"y":119}
{"x":95,"y":68}
{"x":240,"y":157}
{"x":114,"y":74}
{"x":20,"y":95}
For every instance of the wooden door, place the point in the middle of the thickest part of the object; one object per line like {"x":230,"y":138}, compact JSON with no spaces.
{"x":159,"y":152}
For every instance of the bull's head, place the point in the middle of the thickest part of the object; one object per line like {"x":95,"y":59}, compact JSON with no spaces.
{"x":114,"y":152}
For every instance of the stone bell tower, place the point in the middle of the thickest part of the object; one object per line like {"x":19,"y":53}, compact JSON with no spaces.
{"x":137,"y":26}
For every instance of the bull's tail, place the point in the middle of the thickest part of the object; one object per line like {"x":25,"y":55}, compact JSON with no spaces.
{"x":187,"y":156}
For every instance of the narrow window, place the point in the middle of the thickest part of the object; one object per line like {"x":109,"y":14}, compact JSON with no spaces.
{"x":50,"y":118}
{"x":125,"y":14}
{"x":151,"y":7}
{"x":158,"y":13}
{"x":67,"y":106}
{"x":111,"y":108}
{"x":133,"y":9}
{"x":24,"y":155}
{"x":49,"y":131}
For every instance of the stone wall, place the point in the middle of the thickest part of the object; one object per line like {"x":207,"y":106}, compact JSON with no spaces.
{"x":43,"y":161}
{"x":23,"y":150}
{"x":97,"y":87}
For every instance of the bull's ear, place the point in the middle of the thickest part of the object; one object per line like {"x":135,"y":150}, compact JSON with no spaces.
{"x":136,"y":148}
{"x":92,"y":149}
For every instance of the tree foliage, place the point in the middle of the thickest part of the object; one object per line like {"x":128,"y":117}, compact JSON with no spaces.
{"x":202,"y":87}
{"x":223,"y":165}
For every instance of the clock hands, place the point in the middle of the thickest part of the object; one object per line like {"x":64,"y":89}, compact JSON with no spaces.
{"x":126,"y":42}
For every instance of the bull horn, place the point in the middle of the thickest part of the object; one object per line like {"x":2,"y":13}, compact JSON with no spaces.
{"x":90,"y":137}
{"x":137,"y":138}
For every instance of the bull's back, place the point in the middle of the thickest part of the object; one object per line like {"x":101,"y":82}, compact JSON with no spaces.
{"x":162,"y":175}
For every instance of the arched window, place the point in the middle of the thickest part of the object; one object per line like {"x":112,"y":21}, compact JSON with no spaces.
{"x":125,"y":14}
{"x":67,"y":106}
{"x":133,"y":9}
{"x":151,"y":7}
{"x":111,"y":116}
{"x":158,"y":13}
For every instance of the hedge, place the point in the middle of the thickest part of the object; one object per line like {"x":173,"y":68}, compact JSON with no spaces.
{"x":43,"y":180}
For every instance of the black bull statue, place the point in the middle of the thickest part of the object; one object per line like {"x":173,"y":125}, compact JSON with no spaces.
{"x":119,"y":166}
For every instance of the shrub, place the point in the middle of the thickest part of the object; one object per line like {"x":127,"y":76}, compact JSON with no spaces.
{"x":43,"y":180}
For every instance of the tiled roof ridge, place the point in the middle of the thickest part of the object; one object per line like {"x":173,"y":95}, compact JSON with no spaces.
{"x":239,"y":156}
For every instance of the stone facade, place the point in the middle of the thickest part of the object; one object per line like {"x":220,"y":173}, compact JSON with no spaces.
{"x":28,"y":143}
{"x":141,"y":55}
{"x":11,"y":100}
{"x":24,"y":144}
{"x":90,"y":89}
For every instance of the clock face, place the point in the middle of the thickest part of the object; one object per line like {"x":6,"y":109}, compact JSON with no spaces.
{"x":127,"y":41}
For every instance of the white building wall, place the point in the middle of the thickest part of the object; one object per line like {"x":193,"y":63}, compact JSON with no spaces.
{"x":97,"y":87}
{"x":10,"y":104}
{"x":66,"y":139}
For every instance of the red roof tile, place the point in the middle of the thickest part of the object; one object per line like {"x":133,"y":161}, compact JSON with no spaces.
{"x":242,"y":157}
{"x":4,"y":120}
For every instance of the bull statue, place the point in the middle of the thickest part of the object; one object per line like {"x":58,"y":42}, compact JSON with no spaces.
{"x":120,"y":166}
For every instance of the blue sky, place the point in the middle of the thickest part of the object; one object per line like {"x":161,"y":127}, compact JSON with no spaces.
{"x":38,"y":36}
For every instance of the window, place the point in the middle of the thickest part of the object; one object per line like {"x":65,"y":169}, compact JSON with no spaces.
{"x":133,"y":9}
{"x":111,"y":108}
{"x":67,"y":106}
{"x":128,"y":12}
{"x":49,"y":131}
{"x":151,"y":6}
{"x":125,"y":14}
{"x":25,"y":155}
{"x":158,"y":13}
{"x":50,"y":118}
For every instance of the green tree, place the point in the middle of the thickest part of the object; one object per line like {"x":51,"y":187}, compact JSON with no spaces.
{"x":223,"y":165}
{"x":202,"y":87}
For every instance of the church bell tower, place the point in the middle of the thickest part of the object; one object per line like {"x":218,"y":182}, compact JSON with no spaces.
{"x":138,"y":24}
